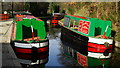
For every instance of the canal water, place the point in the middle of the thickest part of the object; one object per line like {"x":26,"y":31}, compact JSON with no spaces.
{"x":56,"y":57}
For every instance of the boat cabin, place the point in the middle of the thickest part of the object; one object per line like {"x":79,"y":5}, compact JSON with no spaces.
{"x":24,"y":31}
{"x":88,"y":26}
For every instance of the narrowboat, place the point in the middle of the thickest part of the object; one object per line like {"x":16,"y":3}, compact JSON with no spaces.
{"x":87,"y":40}
{"x":4,"y":17}
{"x":56,"y":17}
{"x":29,"y":40}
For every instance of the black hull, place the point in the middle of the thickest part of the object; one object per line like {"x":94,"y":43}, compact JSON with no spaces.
{"x":76,"y":41}
{"x":33,"y":53}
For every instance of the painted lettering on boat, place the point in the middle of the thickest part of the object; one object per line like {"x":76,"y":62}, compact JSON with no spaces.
{"x":84,"y":26}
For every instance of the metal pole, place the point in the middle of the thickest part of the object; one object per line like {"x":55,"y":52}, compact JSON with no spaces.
{"x":12,"y":9}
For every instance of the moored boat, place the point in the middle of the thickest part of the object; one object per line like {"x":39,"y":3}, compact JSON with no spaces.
{"x":56,"y":18}
{"x":4,"y":17}
{"x":29,"y":39}
{"x":87,"y":40}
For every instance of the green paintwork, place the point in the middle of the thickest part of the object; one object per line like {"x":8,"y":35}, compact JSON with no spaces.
{"x":97,"y":26}
{"x":38,"y":25}
{"x":92,"y":62}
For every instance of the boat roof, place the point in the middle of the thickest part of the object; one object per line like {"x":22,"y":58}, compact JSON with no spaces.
{"x":24,"y":29}
{"x":27,"y":17}
{"x":78,"y":16}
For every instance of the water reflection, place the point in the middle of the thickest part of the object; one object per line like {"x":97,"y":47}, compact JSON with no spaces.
{"x":115,"y":60}
{"x":42,"y":59}
{"x":67,"y":61}
{"x":54,"y":50}
{"x":56,"y":55}
{"x":33,"y":66}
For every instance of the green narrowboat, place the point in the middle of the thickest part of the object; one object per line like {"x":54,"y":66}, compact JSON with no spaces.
{"x":87,"y":40}
{"x":29,"y":40}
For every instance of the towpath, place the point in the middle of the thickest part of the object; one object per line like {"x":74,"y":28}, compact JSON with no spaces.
{"x":7,"y":56}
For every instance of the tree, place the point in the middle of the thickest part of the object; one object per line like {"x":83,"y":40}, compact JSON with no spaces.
{"x":39,"y":8}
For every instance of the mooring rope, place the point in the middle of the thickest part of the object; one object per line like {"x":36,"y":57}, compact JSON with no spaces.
{"x":8,"y":29}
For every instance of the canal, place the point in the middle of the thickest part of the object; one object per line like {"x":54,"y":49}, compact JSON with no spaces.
{"x":56,"y":57}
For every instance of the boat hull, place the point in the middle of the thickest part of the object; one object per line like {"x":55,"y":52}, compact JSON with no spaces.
{"x":87,"y":51}
{"x":31,"y":51}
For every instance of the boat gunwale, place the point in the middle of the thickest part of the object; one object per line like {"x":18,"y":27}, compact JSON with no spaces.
{"x":32,"y":41}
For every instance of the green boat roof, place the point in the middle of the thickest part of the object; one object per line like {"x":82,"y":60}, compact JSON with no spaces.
{"x":23,"y":29}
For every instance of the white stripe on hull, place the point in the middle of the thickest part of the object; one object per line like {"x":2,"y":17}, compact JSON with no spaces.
{"x":98,"y":55}
{"x":22,"y":45}
{"x":30,"y":45}
{"x":30,"y":62}
{"x":100,"y":40}
{"x":43,"y":44}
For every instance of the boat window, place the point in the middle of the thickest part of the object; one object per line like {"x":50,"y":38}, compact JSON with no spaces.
{"x":66,"y":22}
{"x":97,"y":31}
{"x":74,"y":24}
{"x":28,"y":34}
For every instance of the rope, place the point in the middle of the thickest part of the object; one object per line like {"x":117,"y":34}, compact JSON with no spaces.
{"x":8,"y":29}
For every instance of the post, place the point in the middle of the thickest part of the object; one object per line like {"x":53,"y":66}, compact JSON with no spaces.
{"x":12,"y":10}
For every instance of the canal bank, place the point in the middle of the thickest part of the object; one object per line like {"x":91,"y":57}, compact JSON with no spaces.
{"x":9,"y":59}
{"x":117,"y":44}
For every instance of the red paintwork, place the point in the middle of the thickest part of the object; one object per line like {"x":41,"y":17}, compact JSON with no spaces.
{"x":20,"y":17}
{"x":26,"y":56}
{"x":78,"y":16}
{"x":21,"y":50}
{"x":54,"y":21}
{"x":82,"y":59}
{"x":84,"y":27}
{"x":4,"y":17}
{"x":32,"y":35}
{"x":98,"y":47}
